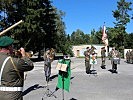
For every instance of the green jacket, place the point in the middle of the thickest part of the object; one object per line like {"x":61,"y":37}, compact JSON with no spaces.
{"x":13,"y":77}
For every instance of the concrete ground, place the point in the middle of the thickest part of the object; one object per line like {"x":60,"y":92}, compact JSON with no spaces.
{"x":103,"y":86}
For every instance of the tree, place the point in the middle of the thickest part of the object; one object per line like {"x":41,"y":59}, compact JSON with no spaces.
{"x":96,"y":36}
{"x":129,"y":41}
{"x":42,"y":27}
{"x":122,"y":18}
{"x":78,"y":37}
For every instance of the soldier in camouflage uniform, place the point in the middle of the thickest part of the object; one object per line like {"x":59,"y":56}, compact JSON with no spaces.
{"x":115,"y":59}
{"x":87,"y":60}
{"x":131,"y":57}
{"x":128,"y":56}
{"x":103,"y":57}
{"x":12,"y":70}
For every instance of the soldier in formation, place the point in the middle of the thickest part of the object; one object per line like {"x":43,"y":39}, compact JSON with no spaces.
{"x":87,"y":53}
{"x":87,"y":60}
{"x":129,"y":56}
{"x":103,"y":57}
{"x":115,"y":59}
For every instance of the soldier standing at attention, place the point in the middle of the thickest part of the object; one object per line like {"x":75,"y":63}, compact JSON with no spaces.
{"x":115,"y":59}
{"x":131,"y":57}
{"x":87,"y":60}
{"x":12,"y":70}
{"x":103,"y":57}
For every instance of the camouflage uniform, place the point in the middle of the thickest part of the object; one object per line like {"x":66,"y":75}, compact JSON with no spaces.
{"x":114,"y":54}
{"x":131,"y":57}
{"x":103,"y":57}
{"x":128,"y":56}
{"x":47,"y":64}
{"x":87,"y":61}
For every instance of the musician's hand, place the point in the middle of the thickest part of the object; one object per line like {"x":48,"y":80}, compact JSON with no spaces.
{"x":22,"y":51}
{"x":88,"y":53}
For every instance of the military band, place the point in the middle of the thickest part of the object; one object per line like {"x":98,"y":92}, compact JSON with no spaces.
{"x":12,"y":68}
{"x":129,"y":56}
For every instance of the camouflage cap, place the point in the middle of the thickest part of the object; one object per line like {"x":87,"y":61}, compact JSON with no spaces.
{"x":6,"y":41}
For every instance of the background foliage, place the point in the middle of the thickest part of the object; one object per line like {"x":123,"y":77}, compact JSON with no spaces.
{"x":43,"y":26}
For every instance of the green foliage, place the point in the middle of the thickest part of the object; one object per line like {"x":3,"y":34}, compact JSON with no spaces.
{"x":79,"y":37}
{"x":43,"y":26}
{"x":121,"y":14}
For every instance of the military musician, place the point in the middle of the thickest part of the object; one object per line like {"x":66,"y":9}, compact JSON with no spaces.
{"x":115,"y":59}
{"x":87,"y":53}
{"x":48,"y":58}
{"x":103,"y":57}
{"x":12,"y":70}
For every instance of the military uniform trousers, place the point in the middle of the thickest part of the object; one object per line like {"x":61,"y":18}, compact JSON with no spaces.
{"x":47,"y":69}
{"x":88,"y":67}
{"x":103,"y":60}
{"x":114,"y":65}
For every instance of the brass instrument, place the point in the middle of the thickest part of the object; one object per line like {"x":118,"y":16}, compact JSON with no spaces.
{"x":91,"y":51}
{"x":17,"y":53}
{"x":49,"y":55}
{"x":52,"y":54}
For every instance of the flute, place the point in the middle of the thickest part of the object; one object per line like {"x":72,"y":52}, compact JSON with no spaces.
{"x":9,"y":28}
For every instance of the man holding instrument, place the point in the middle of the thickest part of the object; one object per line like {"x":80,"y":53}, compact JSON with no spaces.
{"x":115,"y":59}
{"x":12,"y":70}
{"x":47,"y":64}
{"x":87,"y":60}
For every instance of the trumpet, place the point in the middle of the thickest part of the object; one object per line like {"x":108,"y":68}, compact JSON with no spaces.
{"x":49,"y":54}
{"x":17,"y":53}
{"x":91,"y":51}
{"x":52,"y":54}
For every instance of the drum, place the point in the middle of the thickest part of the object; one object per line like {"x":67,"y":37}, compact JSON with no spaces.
{"x":116,"y":60}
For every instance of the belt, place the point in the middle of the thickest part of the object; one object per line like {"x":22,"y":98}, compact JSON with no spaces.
{"x":115,"y":58}
{"x":11,"y":88}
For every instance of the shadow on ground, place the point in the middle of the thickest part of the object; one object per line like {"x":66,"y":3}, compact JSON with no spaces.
{"x":34,"y":87}
{"x":41,"y":58}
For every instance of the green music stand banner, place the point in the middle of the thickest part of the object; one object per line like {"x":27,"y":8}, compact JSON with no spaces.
{"x":93,"y":59}
{"x":64,"y":76}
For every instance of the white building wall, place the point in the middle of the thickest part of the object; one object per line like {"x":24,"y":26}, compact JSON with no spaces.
{"x":79,"y":50}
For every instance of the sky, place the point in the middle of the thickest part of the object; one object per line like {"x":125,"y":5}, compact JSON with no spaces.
{"x":87,"y":15}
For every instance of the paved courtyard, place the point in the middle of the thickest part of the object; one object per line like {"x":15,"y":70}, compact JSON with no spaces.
{"x":104,"y":86}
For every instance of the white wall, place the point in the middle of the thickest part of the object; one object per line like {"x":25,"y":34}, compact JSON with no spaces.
{"x":82,"y":48}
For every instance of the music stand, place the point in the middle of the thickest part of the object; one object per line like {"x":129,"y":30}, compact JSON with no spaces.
{"x":93,"y":61}
{"x":48,"y":92}
{"x":62,"y":72}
